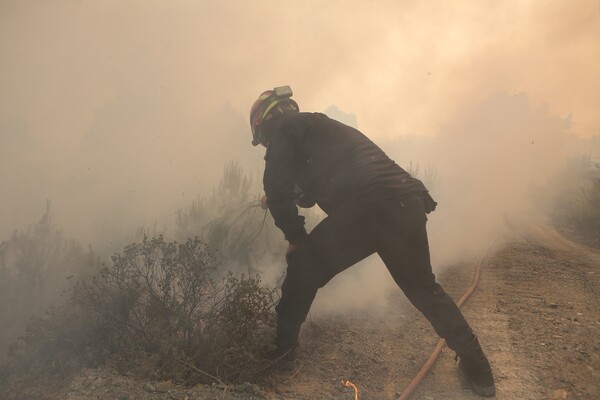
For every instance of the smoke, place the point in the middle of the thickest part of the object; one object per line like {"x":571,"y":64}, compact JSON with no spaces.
{"x":121,"y":112}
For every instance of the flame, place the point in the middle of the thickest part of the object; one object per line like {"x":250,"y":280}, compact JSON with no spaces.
{"x":353,"y":386}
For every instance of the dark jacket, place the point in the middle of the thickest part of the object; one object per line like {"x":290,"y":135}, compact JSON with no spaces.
{"x":333,"y":164}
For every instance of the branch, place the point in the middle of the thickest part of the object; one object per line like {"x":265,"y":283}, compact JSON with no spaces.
{"x":202,"y":372}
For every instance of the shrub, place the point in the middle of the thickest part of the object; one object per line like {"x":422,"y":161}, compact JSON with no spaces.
{"x":573,"y":196}
{"x":156,"y":311}
{"x":230,"y":220}
{"x":152,"y":297}
{"x":169,"y":310}
{"x":34,"y":265}
{"x":240,"y":327}
{"x":583,"y":208}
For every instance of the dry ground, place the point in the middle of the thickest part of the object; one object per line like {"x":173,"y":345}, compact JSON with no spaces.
{"x":535,"y":310}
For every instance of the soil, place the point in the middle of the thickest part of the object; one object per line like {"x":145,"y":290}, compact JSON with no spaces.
{"x":535,"y":311}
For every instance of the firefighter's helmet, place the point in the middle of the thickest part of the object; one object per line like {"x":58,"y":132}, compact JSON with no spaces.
{"x":268,"y":104}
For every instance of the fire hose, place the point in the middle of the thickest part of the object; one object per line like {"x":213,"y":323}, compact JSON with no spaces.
{"x":440,"y":344}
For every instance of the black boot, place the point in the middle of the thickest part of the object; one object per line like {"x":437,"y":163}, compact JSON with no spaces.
{"x":283,"y":359}
{"x":476,"y":369}
{"x":286,"y":342}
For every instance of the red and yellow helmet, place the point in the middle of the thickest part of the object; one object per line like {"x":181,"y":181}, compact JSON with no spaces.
{"x":269,"y":103}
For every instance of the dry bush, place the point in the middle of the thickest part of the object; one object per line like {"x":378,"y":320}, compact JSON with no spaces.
{"x":157,"y":312}
{"x":230,"y":220}
{"x":239,"y":328}
{"x":34,"y":265}
{"x":170,"y":310}
{"x":572,"y":197}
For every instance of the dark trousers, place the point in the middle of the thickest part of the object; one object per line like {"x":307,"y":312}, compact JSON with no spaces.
{"x":395,"y":229}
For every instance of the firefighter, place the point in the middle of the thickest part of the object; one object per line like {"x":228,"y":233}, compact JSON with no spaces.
{"x":372,"y":205}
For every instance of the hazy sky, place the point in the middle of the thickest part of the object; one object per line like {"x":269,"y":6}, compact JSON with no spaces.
{"x":119,"y":111}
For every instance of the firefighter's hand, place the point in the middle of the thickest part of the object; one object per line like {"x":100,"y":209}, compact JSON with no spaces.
{"x":290,"y":250}
{"x":264,"y":204}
